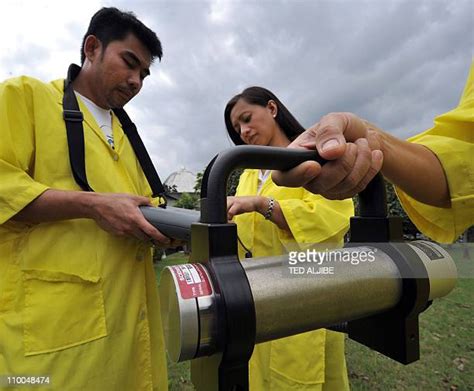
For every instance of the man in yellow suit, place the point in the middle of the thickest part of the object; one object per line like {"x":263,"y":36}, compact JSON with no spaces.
{"x":79,"y":308}
{"x":433,"y":172}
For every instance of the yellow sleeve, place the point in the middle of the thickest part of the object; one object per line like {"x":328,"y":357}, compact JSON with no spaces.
{"x":314,"y":219}
{"x":17,"y":187}
{"x":452,"y":140}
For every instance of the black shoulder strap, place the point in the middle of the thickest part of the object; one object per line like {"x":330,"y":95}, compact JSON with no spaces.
{"x":75,"y":137}
{"x":140,"y":151}
{"x":75,"y":132}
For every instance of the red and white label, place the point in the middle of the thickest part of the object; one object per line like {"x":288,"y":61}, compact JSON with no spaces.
{"x":192,"y":280}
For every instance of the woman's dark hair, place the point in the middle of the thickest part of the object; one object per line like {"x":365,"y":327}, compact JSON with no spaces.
{"x":111,"y":24}
{"x":260,"y":96}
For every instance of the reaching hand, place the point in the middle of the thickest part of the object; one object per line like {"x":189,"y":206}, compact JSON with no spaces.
{"x":353,"y":149}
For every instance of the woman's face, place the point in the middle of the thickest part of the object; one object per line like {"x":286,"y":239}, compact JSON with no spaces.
{"x":256,"y":124}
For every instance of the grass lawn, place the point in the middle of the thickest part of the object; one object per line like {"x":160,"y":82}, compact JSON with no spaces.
{"x":446,"y":339}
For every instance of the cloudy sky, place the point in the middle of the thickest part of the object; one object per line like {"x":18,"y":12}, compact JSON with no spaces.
{"x":396,"y":63}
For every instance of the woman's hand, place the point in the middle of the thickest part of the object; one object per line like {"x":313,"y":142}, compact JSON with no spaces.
{"x":245,"y":204}
{"x":260,"y":204}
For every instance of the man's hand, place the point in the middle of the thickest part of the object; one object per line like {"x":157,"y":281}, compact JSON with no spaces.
{"x":119,"y":214}
{"x":353,"y":149}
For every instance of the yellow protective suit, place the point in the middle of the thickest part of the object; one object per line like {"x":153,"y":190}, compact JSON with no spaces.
{"x":313,"y":360}
{"x":76,"y":304}
{"x":452,"y":140}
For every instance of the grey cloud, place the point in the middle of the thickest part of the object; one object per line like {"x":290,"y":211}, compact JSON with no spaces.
{"x":397,"y":63}
{"x":16,"y":65}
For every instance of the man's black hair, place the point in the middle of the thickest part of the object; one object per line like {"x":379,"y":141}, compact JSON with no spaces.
{"x":111,"y":24}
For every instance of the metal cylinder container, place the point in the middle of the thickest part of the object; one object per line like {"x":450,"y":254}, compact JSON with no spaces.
{"x":291,"y":301}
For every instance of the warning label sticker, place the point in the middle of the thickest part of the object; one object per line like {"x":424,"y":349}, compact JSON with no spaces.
{"x":192,"y":280}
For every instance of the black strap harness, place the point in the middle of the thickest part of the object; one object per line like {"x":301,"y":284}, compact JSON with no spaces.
{"x":75,"y":138}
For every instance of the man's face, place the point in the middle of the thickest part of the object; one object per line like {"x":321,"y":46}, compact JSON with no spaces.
{"x":119,"y":71}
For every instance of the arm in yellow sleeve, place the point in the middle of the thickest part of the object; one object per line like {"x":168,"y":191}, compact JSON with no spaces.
{"x":17,"y":156}
{"x":451,"y":139}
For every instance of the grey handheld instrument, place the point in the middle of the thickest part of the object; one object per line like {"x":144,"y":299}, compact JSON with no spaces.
{"x":172,"y":222}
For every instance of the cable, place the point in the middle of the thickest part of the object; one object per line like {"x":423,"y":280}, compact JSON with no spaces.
{"x":248,"y":253}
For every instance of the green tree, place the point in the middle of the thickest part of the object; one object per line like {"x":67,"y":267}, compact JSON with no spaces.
{"x":187,"y":201}
{"x":197,"y":186}
{"x":394,"y":208}
{"x":232,"y":182}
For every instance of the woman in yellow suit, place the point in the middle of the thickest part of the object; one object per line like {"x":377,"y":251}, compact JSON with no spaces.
{"x":271,"y":220}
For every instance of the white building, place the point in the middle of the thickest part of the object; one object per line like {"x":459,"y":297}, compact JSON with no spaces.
{"x":181,"y":181}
